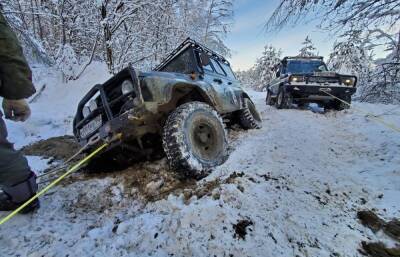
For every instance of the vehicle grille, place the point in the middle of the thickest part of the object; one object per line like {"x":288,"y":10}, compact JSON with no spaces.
{"x":323,"y":80}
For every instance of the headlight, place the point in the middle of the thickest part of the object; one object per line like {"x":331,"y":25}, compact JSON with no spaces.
{"x":85,"y":111}
{"x":296,"y":79}
{"x":127,"y":87}
{"x":348,"y":81}
{"x":92,"y":105}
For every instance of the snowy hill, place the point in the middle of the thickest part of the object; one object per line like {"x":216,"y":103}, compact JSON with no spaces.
{"x":292,"y":188}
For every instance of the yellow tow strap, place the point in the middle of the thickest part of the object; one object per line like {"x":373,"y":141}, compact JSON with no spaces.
{"x":68,"y":172}
{"x":369,"y":115}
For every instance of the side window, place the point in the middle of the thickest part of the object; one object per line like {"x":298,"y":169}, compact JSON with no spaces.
{"x":181,"y":64}
{"x":217,"y":67}
{"x":207,"y":66}
{"x":228,"y":70}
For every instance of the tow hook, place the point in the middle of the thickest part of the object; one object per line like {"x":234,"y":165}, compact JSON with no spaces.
{"x":327,"y":89}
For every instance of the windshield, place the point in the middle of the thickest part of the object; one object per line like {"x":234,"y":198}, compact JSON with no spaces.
{"x":304,"y":66}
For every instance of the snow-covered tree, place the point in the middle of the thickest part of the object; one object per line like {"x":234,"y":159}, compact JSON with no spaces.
{"x":261,"y":74}
{"x":218,"y":20}
{"x":67,"y":62}
{"x":248,"y":78}
{"x":308,"y":49}
{"x":351,"y":55}
{"x":118,"y":32}
{"x":265,"y":65}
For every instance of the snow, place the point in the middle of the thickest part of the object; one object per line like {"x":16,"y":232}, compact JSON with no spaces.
{"x":305,"y":176}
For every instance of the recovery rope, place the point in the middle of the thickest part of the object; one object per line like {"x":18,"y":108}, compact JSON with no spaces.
{"x":73,"y":169}
{"x":368,"y":115}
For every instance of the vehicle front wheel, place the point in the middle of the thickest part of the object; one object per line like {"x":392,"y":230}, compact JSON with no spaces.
{"x":249,"y":116}
{"x":268,"y":99}
{"x":283,"y":100}
{"x":194,"y":139}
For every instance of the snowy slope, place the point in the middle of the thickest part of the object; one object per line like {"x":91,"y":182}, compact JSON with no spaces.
{"x":299,"y":180}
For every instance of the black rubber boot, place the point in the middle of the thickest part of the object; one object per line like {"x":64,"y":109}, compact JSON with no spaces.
{"x":14,"y":196}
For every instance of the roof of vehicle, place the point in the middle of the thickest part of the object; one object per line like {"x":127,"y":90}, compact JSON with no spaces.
{"x":302,"y":58}
{"x":186,"y":44}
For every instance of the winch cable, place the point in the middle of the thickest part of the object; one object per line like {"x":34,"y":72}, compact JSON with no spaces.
{"x":64,"y":164}
{"x":370,"y":116}
{"x":73,"y":169}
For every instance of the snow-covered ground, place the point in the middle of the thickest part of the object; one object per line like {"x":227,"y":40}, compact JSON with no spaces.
{"x":299,"y":182}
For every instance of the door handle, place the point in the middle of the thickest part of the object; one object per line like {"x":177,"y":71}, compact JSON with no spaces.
{"x":218,"y":81}
{"x":229,"y":83}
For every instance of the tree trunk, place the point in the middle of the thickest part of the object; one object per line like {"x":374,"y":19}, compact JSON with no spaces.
{"x":107,"y":38}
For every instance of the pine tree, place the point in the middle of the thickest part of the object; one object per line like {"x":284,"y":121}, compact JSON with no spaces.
{"x":308,"y":49}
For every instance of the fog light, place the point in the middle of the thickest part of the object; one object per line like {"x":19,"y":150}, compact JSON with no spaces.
{"x":127,"y":87}
{"x":107,"y":128}
{"x":85,"y":111}
{"x":92,"y":105}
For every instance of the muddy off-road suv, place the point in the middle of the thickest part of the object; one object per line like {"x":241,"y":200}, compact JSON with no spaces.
{"x":183,"y":105}
{"x":302,"y":80}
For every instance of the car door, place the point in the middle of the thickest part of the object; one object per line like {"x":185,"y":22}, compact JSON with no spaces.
{"x":233,"y":87}
{"x":215,"y":76}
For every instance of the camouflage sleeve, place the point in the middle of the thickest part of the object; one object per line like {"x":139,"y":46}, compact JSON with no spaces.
{"x":15,"y":74}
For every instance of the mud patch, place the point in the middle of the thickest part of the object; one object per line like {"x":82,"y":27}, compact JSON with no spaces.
{"x":379,"y":250}
{"x":241,"y":228}
{"x":392,"y":229}
{"x":373,"y":222}
{"x":58,"y":148}
{"x":370,"y":220}
{"x":149,"y":181}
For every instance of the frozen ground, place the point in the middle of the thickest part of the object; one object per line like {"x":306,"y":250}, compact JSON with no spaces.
{"x":298,"y":183}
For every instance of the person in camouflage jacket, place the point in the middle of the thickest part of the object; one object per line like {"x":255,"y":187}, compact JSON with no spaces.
{"x":17,"y":181}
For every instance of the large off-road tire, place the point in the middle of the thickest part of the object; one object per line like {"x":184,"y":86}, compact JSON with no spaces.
{"x":268,"y":99}
{"x":283,"y":100}
{"x":195,"y":140}
{"x":249,"y":117}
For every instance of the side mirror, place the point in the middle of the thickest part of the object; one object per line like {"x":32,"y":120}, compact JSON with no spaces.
{"x":205,"y":59}
{"x":321,"y":68}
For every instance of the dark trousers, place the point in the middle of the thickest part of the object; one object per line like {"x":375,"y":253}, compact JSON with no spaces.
{"x":14,"y":167}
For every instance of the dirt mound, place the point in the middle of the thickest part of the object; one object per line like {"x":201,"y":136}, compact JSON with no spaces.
{"x":58,"y":148}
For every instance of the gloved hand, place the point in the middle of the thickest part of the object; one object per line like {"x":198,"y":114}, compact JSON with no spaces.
{"x":16,"y":110}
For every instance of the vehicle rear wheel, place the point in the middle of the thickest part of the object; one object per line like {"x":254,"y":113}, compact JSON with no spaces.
{"x":249,"y":116}
{"x":194,"y":139}
{"x":268,"y":99}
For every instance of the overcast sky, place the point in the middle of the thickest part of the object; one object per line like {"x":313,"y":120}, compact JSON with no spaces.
{"x":247,"y":39}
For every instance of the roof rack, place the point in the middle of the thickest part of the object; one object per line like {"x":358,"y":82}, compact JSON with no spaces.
{"x":303,"y":57}
{"x":186,"y":44}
